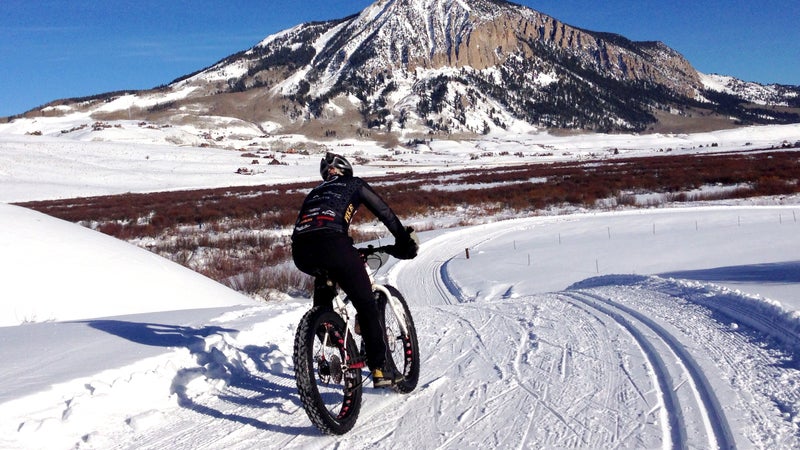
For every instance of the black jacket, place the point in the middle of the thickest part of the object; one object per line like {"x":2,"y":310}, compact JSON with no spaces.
{"x":330,"y":207}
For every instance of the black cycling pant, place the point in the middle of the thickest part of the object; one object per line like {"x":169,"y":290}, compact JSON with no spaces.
{"x":332,"y":254}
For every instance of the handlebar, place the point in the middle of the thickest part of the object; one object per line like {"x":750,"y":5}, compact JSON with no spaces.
{"x":391,"y":250}
{"x":376,"y":257}
{"x":371,"y":250}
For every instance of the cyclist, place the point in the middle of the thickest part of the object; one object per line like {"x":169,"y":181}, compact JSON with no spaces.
{"x":321,"y":247}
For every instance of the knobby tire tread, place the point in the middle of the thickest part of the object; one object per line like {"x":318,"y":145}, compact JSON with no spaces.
{"x":409,"y":367}
{"x":306,"y":374}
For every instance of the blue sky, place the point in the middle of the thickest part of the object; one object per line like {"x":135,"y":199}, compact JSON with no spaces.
{"x":53,"y":49}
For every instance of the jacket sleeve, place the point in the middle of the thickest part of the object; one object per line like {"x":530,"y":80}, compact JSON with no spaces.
{"x":382,"y":211}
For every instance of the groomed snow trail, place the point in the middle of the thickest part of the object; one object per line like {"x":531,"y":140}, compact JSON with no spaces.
{"x":618,"y":361}
{"x":566,"y":375}
{"x":690,"y":406}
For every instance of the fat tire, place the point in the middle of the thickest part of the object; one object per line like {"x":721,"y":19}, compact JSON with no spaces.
{"x":325,"y":415}
{"x":406,"y":360}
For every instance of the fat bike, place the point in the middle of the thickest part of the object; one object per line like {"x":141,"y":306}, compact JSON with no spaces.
{"x":329,"y":357}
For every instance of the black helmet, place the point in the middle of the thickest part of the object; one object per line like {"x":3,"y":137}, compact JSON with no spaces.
{"x":336,"y":161}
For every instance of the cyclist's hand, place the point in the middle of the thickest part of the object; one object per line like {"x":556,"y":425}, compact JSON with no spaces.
{"x":406,"y":247}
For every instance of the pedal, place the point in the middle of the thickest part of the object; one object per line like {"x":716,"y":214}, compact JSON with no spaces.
{"x":358,"y":365}
{"x":358,"y":362}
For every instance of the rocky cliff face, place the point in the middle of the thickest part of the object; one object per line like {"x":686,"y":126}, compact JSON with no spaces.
{"x":511,"y":32}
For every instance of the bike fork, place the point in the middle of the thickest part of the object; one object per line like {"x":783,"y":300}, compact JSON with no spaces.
{"x":397,"y":308}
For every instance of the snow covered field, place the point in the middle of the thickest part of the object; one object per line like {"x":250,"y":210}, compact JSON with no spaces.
{"x":127,"y":157}
{"x":642,"y":329}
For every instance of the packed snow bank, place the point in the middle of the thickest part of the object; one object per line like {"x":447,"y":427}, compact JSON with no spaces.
{"x":56,"y":270}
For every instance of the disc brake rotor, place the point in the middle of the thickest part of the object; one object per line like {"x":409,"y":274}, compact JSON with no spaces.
{"x":336,"y":369}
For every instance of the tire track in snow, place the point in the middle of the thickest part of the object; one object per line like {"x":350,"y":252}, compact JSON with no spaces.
{"x":427,"y":282}
{"x":681,"y":431}
{"x":691,"y":414}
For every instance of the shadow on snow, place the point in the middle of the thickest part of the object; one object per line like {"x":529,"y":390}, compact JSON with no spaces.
{"x":258,"y":391}
{"x":783,"y":272}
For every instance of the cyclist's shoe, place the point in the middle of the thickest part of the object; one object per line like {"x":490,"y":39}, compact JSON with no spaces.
{"x":386,"y":377}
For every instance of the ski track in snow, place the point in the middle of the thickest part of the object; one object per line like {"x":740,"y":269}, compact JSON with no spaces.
{"x":736,"y":370}
{"x":681,"y":374}
{"x":614,"y":362}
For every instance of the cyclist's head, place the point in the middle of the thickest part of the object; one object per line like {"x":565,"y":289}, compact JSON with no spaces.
{"x":338,"y":163}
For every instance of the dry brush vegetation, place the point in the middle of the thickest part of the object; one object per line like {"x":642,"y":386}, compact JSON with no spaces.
{"x":240,"y":236}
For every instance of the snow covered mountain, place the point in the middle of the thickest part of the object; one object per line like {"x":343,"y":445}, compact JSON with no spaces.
{"x":773,"y":94}
{"x":446,"y":66}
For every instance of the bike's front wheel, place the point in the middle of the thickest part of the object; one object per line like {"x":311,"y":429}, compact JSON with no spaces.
{"x":328,"y":381}
{"x":402,"y":346}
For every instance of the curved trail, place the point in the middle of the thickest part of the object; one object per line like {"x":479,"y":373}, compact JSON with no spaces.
{"x":548,"y":359}
{"x":654,"y":374}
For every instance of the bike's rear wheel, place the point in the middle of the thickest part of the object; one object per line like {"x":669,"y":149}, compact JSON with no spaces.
{"x":329,"y":390}
{"x":402,"y":347}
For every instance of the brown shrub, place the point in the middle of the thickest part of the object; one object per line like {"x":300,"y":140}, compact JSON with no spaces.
{"x":233,"y":228}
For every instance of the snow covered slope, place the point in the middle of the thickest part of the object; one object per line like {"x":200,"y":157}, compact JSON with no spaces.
{"x":406,"y":69}
{"x":56,"y":270}
{"x":773,"y":94}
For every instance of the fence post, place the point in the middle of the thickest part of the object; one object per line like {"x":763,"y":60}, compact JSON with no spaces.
{"x":466,"y":250}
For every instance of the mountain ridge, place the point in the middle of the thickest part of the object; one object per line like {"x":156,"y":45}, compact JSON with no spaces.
{"x":456,"y":66}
